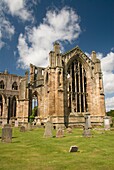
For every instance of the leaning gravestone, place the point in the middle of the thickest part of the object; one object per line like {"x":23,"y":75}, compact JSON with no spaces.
{"x":60,"y":133}
{"x":48,"y":129}
{"x":6,"y":133}
{"x":86,"y":128}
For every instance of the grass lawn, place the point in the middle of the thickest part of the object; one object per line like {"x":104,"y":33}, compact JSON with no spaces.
{"x":31,"y":151}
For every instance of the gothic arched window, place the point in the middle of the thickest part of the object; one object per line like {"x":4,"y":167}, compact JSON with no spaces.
{"x":13,"y":107}
{"x":76,"y":87}
{"x":2,"y":84}
{"x":14,"y":86}
{"x":35,"y":104}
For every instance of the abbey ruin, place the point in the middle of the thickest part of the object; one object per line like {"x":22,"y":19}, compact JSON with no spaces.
{"x":70,"y":87}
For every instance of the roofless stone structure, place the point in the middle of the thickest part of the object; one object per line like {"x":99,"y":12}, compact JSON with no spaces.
{"x":70,"y":87}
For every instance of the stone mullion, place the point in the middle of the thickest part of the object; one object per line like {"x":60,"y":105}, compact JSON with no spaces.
{"x":68,"y":93}
{"x":71,"y":84}
{"x":83,"y":91}
{"x":13,"y":107}
{"x":79,"y":88}
{"x":75,"y":87}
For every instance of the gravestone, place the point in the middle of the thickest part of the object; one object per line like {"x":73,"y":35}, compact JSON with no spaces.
{"x":69,"y":130}
{"x":73,"y":149}
{"x":22,"y":129}
{"x":87,"y":121}
{"x":29,"y":126}
{"x":6,"y":133}
{"x":16,"y":123}
{"x":60,"y":133}
{"x":48,"y":129}
{"x":106,"y":123}
{"x":87,"y":127}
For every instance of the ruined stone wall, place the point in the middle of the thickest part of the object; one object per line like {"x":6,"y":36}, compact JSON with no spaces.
{"x":11,"y":89}
{"x":50,"y":85}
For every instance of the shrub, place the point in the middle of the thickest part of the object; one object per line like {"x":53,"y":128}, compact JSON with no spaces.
{"x":110,"y":113}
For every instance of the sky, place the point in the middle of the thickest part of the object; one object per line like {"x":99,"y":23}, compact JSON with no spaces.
{"x":28,"y":29}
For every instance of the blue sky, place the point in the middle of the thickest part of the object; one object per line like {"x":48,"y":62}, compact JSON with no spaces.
{"x":28,"y":29}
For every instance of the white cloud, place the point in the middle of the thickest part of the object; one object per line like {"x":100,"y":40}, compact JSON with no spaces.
{"x":107,"y":65}
{"x":108,"y":62}
{"x":112,"y":49}
{"x":6,"y":28}
{"x":35,"y":45}
{"x":109,"y":103}
{"x":19,"y":8}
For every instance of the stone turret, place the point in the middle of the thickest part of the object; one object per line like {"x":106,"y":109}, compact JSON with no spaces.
{"x":97,"y":62}
{"x":93,"y":56}
{"x":56,"y":48}
{"x":55,"y":56}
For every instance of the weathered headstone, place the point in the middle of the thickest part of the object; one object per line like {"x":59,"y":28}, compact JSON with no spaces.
{"x":87,"y":121}
{"x":6,"y":134}
{"x":106,"y":123}
{"x":73,"y":149}
{"x":22,"y":129}
{"x":29,"y":126}
{"x":48,"y":129}
{"x":87,"y":127}
{"x":16,"y":123}
{"x":69,"y":130}
{"x":60,"y":133}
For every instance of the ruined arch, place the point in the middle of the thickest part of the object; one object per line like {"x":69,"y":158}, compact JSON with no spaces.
{"x":78,"y":75}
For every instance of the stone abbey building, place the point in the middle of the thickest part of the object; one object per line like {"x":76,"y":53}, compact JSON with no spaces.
{"x":70,"y":87}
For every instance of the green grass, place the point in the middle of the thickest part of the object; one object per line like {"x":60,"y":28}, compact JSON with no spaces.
{"x":31,"y":151}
